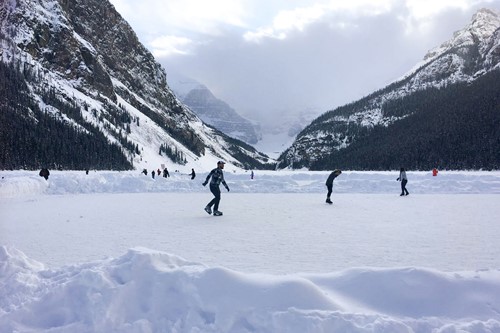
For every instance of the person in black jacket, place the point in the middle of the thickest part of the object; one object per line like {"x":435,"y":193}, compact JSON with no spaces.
{"x":192,"y":174}
{"x":217,"y":178}
{"x":329,"y":184}
{"x":165,"y":173}
{"x":44,"y":173}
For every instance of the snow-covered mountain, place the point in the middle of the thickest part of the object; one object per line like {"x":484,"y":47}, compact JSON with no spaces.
{"x":470,"y":54}
{"x":212,"y":110}
{"x":81,"y":55}
{"x":270,"y":137}
{"x":279,"y":133}
{"x":220,"y":115}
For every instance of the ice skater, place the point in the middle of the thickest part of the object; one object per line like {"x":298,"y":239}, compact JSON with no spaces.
{"x":329,"y":184}
{"x":217,"y":178}
{"x":402,"y":177}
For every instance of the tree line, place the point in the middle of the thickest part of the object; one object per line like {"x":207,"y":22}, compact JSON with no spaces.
{"x":32,"y":138}
{"x":456,"y":127}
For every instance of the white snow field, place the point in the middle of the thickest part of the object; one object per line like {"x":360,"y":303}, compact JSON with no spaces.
{"x":122,"y":252}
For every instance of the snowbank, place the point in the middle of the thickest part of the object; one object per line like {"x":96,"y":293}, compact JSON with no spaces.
{"x":22,"y":183}
{"x":150,"y":291}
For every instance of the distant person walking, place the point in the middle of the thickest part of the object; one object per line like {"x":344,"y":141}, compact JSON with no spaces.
{"x":153,"y":174}
{"x":404,"y":180}
{"x":192,"y":174}
{"x":44,"y":173}
{"x":165,"y":173}
{"x":329,"y":184}
{"x":217,"y":178}
{"x":251,"y":175}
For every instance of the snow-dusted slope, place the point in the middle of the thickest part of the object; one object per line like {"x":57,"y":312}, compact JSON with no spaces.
{"x":84,"y":53}
{"x":469,"y":54}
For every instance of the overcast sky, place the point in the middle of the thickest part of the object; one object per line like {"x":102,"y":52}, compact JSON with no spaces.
{"x":266,"y":57}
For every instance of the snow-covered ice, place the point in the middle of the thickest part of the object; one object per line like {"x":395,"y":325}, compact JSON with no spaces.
{"x":121,"y":252}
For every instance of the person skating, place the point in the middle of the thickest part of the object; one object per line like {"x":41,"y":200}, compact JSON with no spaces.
{"x":402,"y":177}
{"x":192,"y":174}
{"x":329,"y":184}
{"x":217,"y":178}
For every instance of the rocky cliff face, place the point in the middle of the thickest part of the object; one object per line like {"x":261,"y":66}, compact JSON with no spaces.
{"x":469,"y":54}
{"x":219,"y":114}
{"x":85,"y":52}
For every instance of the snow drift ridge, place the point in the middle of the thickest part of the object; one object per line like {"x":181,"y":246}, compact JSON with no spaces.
{"x":150,"y":291}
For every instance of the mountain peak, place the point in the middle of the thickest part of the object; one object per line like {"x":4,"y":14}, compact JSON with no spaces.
{"x":485,"y":15}
{"x":483,"y":25}
{"x":219,"y":114}
{"x":83,"y":67}
{"x":435,"y":87}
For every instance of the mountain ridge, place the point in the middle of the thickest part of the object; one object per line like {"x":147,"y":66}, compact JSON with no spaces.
{"x":84,"y":53}
{"x":219,"y":114}
{"x":471,"y":53}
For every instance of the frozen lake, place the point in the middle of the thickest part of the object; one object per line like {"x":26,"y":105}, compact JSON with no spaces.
{"x":262,"y":230}
{"x":121,"y":252}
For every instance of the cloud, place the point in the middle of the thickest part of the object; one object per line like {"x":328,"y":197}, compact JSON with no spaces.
{"x":167,"y":45}
{"x":182,"y":16}
{"x":297,"y":19}
{"x":285,"y":21}
{"x":260,"y":19}
{"x":417,"y":14}
{"x":424,"y":15}
{"x":177,"y":26}
{"x":262,"y":57}
{"x":425,"y":9}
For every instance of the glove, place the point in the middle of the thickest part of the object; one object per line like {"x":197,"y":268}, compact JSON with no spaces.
{"x":227,"y":188}
{"x":397,"y":179}
{"x":204,"y":184}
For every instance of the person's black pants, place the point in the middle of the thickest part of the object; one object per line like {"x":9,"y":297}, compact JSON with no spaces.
{"x":403,"y":187}
{"x":329,"y":187}
{"x":215,"y":201}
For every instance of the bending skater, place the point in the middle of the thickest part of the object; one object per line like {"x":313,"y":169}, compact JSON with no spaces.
{"x":402,"y":177}
{"x":217,"y":178}
{"x":329,"y":184}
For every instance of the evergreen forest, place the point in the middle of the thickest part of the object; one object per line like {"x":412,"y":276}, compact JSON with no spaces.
{"x":32,"y":138}
{"x":455,"y":127}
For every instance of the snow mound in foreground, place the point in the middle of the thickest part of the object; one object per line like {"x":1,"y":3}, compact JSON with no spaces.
{"x":151,"y":291}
